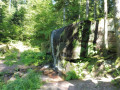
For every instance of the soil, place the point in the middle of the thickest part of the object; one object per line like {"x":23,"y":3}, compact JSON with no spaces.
{"x":54,"y":81}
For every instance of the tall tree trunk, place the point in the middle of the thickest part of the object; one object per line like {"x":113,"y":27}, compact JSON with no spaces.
{"x":87,"y":9}
{"x":0,"y":12}
{"x":95,"y":13}
{"x":105,"y":25}
{"x":9,"y":5}
{"x":64,"y":11}
{"x":117,"y":25}
{"x":64,"y":17}
{"x":79,"y":9}
{"x":24,"y":1}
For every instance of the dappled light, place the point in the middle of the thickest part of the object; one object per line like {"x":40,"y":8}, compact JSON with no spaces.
{"x":59,"y":45}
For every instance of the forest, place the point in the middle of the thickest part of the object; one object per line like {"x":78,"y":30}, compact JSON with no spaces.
{"x":74,"y":44}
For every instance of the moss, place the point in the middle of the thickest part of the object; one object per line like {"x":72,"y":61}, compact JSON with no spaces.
{"x":85,"y":65}
{"x":117,"y":63}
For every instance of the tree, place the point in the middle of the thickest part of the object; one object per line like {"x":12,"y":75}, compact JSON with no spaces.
{"x":79,"y":9}
{"x":105,"y":24}
{"x":46,"y":20}
{"x":64,"y":12}
{"x":9,"y":5}
{"x":87,"y":9}
{"x":95,"y":13}
{"x":117,"y":25}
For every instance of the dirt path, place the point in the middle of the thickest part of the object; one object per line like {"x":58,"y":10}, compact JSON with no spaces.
{"x":79,"y":85}
{"x":5,"y":68}
{"x":55,"y":82}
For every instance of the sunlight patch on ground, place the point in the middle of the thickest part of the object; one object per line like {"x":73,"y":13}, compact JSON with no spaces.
{"x":19,"y":45}
{"x":102,"y":79}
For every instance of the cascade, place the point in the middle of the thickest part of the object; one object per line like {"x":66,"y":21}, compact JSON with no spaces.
{"x":55,"y":37}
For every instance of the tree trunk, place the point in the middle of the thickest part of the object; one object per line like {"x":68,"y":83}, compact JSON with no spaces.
{"x":117,"y":25}
{"x":24,"y":1}
{"x":105,"y":25}
{"x":79,"y":8}
{"x":9,"y":5}
{"x":64,"y":11}
{"x":87,"y":9}
{"x":1,"y":12}
{"x":64,"y":17}
{"x":95,"y":13}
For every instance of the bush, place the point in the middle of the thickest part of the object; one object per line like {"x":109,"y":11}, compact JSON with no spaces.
{"x":71,"y":75}
{"x":30,"y":57}
{"x":11,"y":56}
{"x":30,"y":82}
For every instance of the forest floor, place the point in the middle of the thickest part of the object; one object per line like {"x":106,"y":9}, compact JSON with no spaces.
{"x":52,"y":80}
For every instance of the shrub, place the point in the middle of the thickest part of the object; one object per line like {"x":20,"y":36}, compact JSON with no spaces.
{"x":30,"y":82}
{"x":11,"y":56}
{"x":71,"y":75}
{"x":30,"y":57}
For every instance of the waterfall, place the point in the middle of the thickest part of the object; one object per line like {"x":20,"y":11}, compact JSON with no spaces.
{"x":55,"y":40}
{"x":52,"y":47}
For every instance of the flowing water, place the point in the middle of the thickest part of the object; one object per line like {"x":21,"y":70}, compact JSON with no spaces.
{"x":52,"y":47}
{"x":55,"y":38}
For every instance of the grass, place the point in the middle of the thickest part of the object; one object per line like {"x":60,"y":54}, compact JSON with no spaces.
{"x":30,"y":82}
{"x":11,"y":56}
{"x":30,"y":57}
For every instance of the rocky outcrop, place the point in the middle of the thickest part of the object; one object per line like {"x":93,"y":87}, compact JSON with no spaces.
{"x":81,"y":39}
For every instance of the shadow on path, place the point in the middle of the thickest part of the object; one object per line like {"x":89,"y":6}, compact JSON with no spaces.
{"x":79,"y":85}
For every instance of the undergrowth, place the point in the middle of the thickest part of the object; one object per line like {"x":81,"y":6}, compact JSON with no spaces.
{"x":71,"y":75}
{"x":11,"y":56}
{"x":30,"y":82}
{"x":30,"y":57}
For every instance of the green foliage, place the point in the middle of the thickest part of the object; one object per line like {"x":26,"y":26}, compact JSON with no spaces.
{"x":18,"y":16}
{"x":75,"y":43}
{"x":11,"y":26}
{"x":30,"y":82}
{"x":46,"y":21}
{"x":11,"y":56}
{"x":91,"y":50}
{"x":35,"y":19}
{"x":116,"y":82}
{"x":1,"y":80}
{"x":30,"y":57}
{"x":71,"y":75}
{"x":90,"y":67}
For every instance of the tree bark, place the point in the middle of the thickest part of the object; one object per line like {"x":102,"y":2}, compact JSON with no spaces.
{"x":105,"y":25}
{"x":117,"y":25}
{"x":24,"y":1}
{"x":9,"y":5}
{"x":87,"y":9}
{"x":95,"y":13}
{"x":64,"y":12}
{"x":79,"y":8}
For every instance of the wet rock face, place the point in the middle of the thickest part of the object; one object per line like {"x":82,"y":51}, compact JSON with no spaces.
{"x":56,"y":37}
{"x":65,"y":42}
{"x":73,"y":41}
{"x":66,"y":39}
{"x":74,"y":38}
